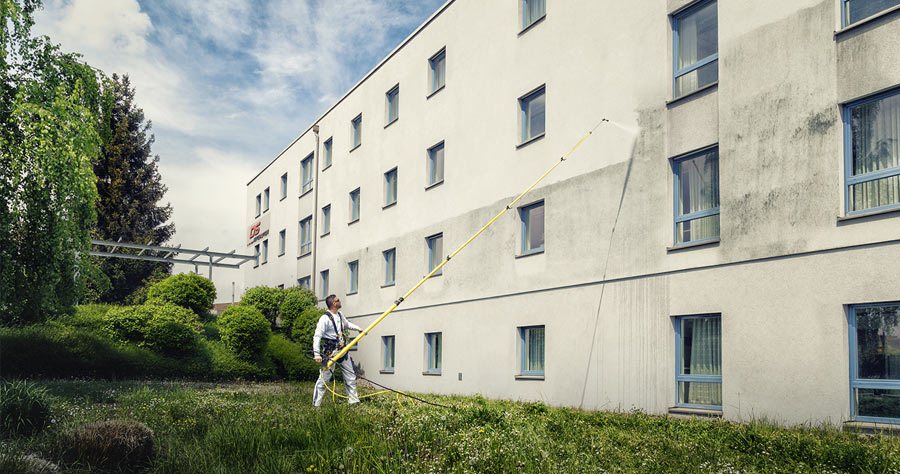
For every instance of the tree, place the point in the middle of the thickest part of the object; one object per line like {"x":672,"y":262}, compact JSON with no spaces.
{"x":130,"y":189}
{"x":49,"y":136}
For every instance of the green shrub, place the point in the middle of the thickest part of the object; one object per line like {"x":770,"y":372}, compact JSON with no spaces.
{"x":139,"y":295}
{"x":159,"y":326}
{"x":187,"y":290}
{"x":227,"y":366}
{"x":128,"y":323}
{"x":87,"y":316}
{"x":290,"y":360}
{"x":109,"y":445}
{"x":170,"y":336}
{"x":211,"y":331}
{"x":294,"y":302}
{"x":24,"y":407}
{"x":266,"y":300}
{"x":245,"y":331}
{"x":304,"y":326}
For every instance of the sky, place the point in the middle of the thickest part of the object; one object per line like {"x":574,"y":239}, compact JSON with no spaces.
{"x":228,"y":84}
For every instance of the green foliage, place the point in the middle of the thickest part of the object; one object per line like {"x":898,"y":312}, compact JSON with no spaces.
{"x":295,"y":301}
{"x":304,"y":326}
{"x":94,"y":284}
{"x":170,"y":336}
{"x":244,"y":331}
{"x":227,"y":366}
{"x":24,"y":407}
{"x":86,"y":316}
{"x":266,"y":300}
{"x":289,"y":359}
{"x":139,"y":295}
{"x":162,"y":327}
{"x":49,"y":103}
{"x":187,"y":290}
{"x":113,"y":445}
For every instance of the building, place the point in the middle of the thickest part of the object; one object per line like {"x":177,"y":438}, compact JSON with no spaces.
{"x":723,"y":244}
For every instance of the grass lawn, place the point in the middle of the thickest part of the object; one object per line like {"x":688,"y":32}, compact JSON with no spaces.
{"x":263,"y":428}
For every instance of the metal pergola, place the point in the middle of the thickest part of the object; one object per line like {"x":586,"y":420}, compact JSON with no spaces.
{"x":158,"y":253}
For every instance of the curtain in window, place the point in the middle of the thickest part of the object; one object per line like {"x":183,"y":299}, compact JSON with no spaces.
{"x":698,"y":36}
{"x":534,"y":350}
{"x":435,"y":355}
{"x":389,"y":352}
{"x":438,"y":66}
{"x":860,"y":9}
{"x":534,"y":116}
{"x":534,"y":227}
{"x":698,"y":180}
{"x":705,"y":352}
{"x":534,"y":9}
{"x":437,"y":164}
{"x":876,"y":146}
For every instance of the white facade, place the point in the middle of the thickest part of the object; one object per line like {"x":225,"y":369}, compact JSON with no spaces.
{"x":790,"y":260}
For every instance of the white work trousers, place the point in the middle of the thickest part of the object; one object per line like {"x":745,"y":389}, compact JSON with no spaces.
{"x":349,"y":382}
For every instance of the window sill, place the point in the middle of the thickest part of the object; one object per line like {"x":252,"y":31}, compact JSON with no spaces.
{"x":530,"y":141}
{"x":863,"y":215}
{"x":391,"y":123}
{"x":325,"y":168}
{"x":434,"y":185}
{"x":429,"y":372}
{"x":679,"y":412}
{"x":283,"y":197}
{"x":357,"y":146}
{"x":530,"y":253}
{"x":281,"y":254}
{"x":354,"y":221}
{"x":435,"y":275}
{"x":691,"y":245}
{"x":870,"y":427}
{"x":258,"y":215}
{"x":264,"y":262}
{"x":432,"y":93}
{"x":866,"y":21}
{"x":352,"y":293}
{"x":326,"y":234}
{"x":388,"y":285}
{"x":256,"y":266}
{"x":389,"y":205}
{"x":533,"y":23}
{"x":529,"y":377}
{"x":267,"y":210}
{"x":303,"y":255}
{"x":701,"y":90}
{"x":391,"y":371}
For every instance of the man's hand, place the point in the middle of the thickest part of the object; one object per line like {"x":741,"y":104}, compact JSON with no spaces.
{"x":318,"y":359}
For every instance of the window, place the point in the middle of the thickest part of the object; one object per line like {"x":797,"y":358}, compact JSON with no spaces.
{"x":324,"y":276}
{"x":326,"y":220}
{"x":354,"y":276}
{"x":390,"y":266}
{"x":329,"y":146}
{"x":437,"y":67}
{"x":390,"y":187}
{"x":696,"y":44}
{"x":256,"y":252}
{"x":435,"y":249}
{"x":433,"y":345}
{"x":436,"y":164}
{"x":388,"y":343}
{"x":697,"y":197}
{"x":258,"y":204}
{"x":281,"y":242}
{"x":354,"y":205}
{"x":266,"y":199}
{"x":532,"y":228}
{"x":875,"y":362}
{"x":532,"y":343}
{"x":281,"y":286}
{"x":356,"y":131}
{"x":303,"y":283}
{"x":284,"y":186}
{"x":532,"y":114}
{"x":856,"y":10}
{"x":698,"y":352}
{"x":392,"y":105}
{"x":265,"y":251}
{"x":307,"y":167}
{"x":306,"y":236}
{"x":872,"y":153}
{"x":532,"y":11}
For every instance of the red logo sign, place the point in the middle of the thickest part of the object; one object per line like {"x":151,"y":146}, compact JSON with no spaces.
{"x":254,"y":231}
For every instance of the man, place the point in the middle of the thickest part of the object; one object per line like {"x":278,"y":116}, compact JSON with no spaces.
{"x":330,"y":328}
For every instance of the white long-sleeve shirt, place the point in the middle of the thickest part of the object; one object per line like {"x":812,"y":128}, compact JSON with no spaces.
{"x":324,"y":328}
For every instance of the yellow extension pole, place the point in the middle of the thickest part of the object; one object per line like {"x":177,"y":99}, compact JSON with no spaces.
{"x":438,"y":268}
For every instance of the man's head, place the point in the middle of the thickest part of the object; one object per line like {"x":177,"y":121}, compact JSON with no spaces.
{"x":333,"y":302}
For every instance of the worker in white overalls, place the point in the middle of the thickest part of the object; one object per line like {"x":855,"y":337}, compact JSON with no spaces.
{"x":330,"y":335}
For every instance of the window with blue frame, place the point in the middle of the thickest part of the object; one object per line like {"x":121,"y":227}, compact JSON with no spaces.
{"x":390,"y":187}
{"x":433,"y":344}
{"x":436,"y":164}
{"x":387,"y":343}
{"x":698,"y":355}
{"x":531,"y":341}
{"x":532,"y":113}
{"x":306,"y":236}
{"x":281,"y":239}
{"x":353,"y":268}
{"x":356,"y":131}
{"x":284,"y":184}
{"x":532,"y":227}
{"x":532,"y":11}
{"x":329,"y":146}
{"x":392,"y":104}
{"x":324,"y":278}
{"x":696,"y":47}
{"x":354,"y":205}
{"x":390,"y":266}
{"x":696,"y":196}
{"x":435,"y":245}
{"x":856,"y":10}
{"x":303,"y":282}
{"x":875,"y":362}
{"x":326,"y":220}
{"x":307,"y":168}
{"x":437,"y":70}
{"x":872,"y":153}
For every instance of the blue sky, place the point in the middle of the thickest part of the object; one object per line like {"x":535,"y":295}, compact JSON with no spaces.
{"x":228,"y":84}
